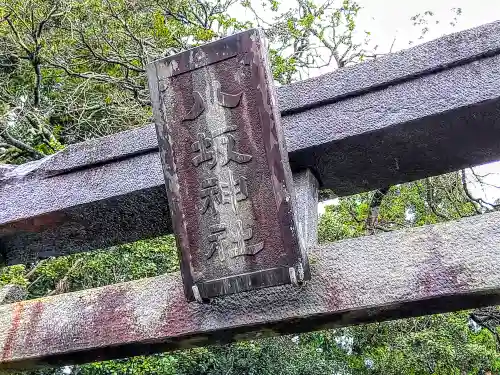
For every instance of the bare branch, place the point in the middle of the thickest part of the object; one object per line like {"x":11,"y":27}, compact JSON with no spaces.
{"x":38,"y":82}
{"x":18,"y":37}
{"x":98,"y":77}
{"x":35,"y":268}
{"x":107,"y":59}
{"x":475,"y":201}
{"x":52,"y":14}
{"x":62,"y":285}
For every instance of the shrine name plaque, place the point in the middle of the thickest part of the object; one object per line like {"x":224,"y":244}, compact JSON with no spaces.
{"x":226,"y":168}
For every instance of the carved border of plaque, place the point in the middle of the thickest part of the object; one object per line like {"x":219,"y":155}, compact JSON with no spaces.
{"x":229,"y":185}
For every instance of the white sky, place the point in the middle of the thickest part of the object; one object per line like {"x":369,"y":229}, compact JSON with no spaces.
{"x":389,"y":18}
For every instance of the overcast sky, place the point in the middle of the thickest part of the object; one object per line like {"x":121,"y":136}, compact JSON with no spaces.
{"x":389,"y":18}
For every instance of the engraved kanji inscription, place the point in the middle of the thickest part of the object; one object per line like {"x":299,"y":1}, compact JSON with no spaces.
{"x":226,"y":99}
{"x":240,"y":237}
{"x":197,"y":108}
{"x":204,"y":150}
{"x":210,"y":195}
{"x":230,"y":153}
{"x":229,"y":184}
{"x":234,"y":191}
{"x":216,"y":237}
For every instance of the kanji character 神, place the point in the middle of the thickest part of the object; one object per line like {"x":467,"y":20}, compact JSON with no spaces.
{"x":234,"y":191}
{"x":210,"y":194}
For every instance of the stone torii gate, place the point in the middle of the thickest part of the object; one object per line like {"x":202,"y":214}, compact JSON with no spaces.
{"x":421,"y":112}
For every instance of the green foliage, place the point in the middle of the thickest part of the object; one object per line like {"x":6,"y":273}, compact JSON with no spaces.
{"x":50,"y":146}
{"x":118,"y":264}
{"x":438,"y":344}
{"x":283,"y":68}
{"x":307,"y":35}
{"x":262,"y":357}
{"x":165,"y":364}
{"x":416,"y":203}
{"x":82,"y":73}
{"x":13,"y":275}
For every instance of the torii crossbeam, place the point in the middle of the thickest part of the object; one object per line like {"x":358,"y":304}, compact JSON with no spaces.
{"x":421,"y":112}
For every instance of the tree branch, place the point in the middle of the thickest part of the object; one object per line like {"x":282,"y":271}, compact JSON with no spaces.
{"x":62,"y":285}
{"x":21,"y":145}
{"x":475,"y":201}
{"x":430,"y":200}
{"x":38,"y":82}
{"x":108,"y":59}
{"x":52,"y":13}
{"x":37,"y":266}
{"x":489,"y":318}
{"x":18,"y":37}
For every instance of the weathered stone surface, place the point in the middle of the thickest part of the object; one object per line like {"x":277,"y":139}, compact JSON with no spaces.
{"x":12,"y":293}
{"x":32,"y":196}
{"x":421,"y":112}
{"x":306,"y":198}
{"x":89,"y":208}
{"x":4,"y":169}
{"x":87,"y":155}
{"x":423,"y":127}
{"x":95,"y":225}
{"x":424,"y":270}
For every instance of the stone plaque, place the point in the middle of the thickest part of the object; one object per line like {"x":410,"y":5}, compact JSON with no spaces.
{"x":226,"y":168}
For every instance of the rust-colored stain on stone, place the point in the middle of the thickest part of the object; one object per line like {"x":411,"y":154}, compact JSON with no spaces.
{"x":336,"y":292}
{"x":438,"y":278}
{"x":178,"y":318}
{"x":34,"y":311}
{"x":111,"y":317}
{"x":13,"y":331}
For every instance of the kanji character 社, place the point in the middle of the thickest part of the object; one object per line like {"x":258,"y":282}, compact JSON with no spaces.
{"x":239,"y":237}
{"x":216,"y":237}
